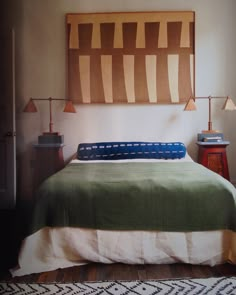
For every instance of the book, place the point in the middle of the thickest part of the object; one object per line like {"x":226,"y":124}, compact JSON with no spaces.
{"x":212,"y":139}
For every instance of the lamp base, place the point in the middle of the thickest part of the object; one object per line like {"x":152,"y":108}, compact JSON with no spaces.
{"x":210,"y":131}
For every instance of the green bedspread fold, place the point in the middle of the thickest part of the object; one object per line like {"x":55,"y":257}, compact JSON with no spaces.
{"x":161,"y":196}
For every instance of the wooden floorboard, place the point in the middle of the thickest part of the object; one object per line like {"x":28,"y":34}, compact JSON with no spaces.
{"x":117,"y":271}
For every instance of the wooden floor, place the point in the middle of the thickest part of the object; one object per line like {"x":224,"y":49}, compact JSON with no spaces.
{"x":98,"y":272}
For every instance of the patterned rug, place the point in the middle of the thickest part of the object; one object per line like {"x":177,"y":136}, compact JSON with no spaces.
{"x":220,"y":286}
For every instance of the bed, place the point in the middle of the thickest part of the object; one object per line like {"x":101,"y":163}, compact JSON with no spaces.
{"x":134,"y":203}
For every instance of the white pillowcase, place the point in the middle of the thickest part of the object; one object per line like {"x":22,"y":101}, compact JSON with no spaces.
{"x":187,"y":158}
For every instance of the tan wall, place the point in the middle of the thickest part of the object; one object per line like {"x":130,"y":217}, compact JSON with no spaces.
{"x":41,"y":72}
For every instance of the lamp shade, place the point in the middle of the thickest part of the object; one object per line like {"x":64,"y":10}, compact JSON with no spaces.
{"x":69,"y":108}
{"x":190,"y":105}
{"x":229,"y":105}
{"x":30,"y":107}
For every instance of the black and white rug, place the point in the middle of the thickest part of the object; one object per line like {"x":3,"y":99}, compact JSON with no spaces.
{"x":219,"y":286}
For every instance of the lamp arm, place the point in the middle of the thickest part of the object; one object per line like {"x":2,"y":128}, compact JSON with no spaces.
{"x":209,"y":107}
{"x":228,"y":105}
{"x":50,"y":98}
{"x":209,"y":120}
{"x":50,"y":115}
{"x":50,"y":110}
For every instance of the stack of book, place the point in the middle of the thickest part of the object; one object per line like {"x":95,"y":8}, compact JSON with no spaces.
{"x":210,"y":137}
{"x":50,"y":138}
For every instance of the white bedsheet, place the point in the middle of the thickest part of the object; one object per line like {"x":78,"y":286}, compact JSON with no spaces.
{"x":187,"y":158}
{"x":53,"y":248}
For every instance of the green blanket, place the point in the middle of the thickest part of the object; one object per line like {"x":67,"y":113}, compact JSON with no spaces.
{"x":136,"y":196}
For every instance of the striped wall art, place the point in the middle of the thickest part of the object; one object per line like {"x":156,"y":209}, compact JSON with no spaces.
{"x":139,"y":57}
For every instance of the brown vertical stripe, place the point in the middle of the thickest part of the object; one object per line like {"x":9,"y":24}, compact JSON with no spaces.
{"x":174,"y":34}
{"x":107,"y":35}
{"x":185,"y":90}
{"x":140,"y":79}
{"x":129,"y":35}
{"x":152,"y":34}
{"x":118,"y":80}
{"x":97,"y":92}
{"x":85,"y":36}
{"x":74,"y":86}
{"x":68,"y":28}
{"x":163,"y":90}
{"x":192,"y":34}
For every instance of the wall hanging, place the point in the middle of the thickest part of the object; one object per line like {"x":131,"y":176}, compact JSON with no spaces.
{"x":139,"y":57}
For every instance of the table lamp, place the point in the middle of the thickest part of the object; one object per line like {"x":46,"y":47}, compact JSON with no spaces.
{"x":228,"y":106}
{"x":50,"y":136}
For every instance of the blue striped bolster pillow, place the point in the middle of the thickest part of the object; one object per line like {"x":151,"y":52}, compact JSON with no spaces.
{"x":130,"y":150}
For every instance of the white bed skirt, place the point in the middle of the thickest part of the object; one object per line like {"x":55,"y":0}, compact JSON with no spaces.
{"x":53,"y":248}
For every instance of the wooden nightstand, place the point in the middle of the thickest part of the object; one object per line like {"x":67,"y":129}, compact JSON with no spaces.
{"x":48,"y":159}
{"x":213,"y":156}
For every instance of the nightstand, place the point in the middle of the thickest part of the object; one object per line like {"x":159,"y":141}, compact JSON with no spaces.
{"x":213,"y":156}
{"x":48,"y":159}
